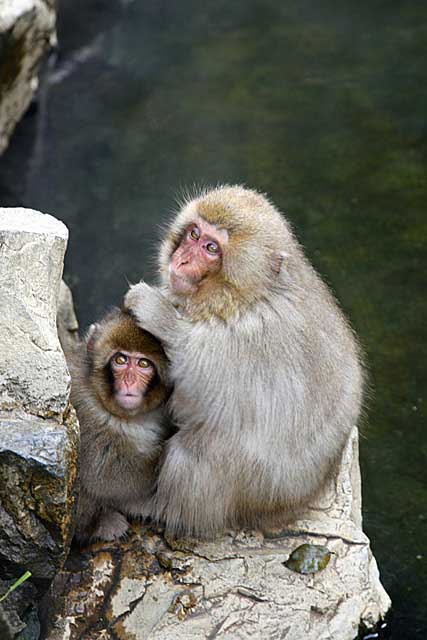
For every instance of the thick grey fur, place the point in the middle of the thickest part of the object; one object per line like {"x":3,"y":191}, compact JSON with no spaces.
{"x":263,"y":401}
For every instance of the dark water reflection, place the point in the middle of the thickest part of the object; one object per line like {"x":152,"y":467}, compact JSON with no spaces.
{"x":322,"y":105}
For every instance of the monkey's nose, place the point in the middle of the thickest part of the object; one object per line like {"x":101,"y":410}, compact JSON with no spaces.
{"x":129,"y":381}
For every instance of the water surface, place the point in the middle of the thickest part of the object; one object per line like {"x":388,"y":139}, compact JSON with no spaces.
{"x":320,"y":104}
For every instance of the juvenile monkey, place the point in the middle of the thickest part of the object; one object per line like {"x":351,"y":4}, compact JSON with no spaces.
{"x":119,"y":386}
{"x":267,"y":373}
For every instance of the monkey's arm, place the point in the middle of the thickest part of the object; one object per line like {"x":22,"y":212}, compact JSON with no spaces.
{"x":153,"y":312}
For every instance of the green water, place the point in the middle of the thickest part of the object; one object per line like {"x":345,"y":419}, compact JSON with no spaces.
{"x":320,"y":104}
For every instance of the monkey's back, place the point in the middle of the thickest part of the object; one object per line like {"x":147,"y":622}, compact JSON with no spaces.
{"x":286,"y":380}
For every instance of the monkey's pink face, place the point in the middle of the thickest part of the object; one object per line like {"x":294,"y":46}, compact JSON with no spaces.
{"x":132,"y":373}
{"x":198,"y":256}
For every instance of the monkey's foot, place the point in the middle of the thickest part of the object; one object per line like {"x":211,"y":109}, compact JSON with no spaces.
{"x":111,"y":526}
{"x":141,"y":510}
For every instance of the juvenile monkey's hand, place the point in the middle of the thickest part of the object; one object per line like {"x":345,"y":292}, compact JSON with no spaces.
{"x":111,"y":526}
{"x":152,"y":311}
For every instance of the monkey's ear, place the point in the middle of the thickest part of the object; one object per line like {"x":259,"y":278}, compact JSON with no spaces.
{"x":90,"y":340}
{"x":277,"y":260}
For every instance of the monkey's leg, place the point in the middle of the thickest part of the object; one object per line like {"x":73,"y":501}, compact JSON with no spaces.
{"x":87,"y":511}
{"x":153,"y":312}
{"x":194,"y":492}
{"x":112,"y":525}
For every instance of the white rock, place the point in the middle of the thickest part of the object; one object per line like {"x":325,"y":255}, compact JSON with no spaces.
{"x":66,"y":319}
{"x":39,"y":435}
{"x":242,"y":590}
{"x":27,"y":29}
{"x":12,"y":10}
{"x":32,"y":247}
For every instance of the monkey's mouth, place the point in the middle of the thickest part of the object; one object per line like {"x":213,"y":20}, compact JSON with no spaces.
{"x":181,"y":283}
{"x":129,"y":400}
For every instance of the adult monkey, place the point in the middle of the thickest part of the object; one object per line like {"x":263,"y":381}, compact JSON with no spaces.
{"x":267,"y":373}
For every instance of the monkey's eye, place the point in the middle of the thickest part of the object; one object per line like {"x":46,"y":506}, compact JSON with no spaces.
{"x":144,"y":363}
{"x":195,"y":233}
{"x":212,"y":247}
{"x":120,"y":358}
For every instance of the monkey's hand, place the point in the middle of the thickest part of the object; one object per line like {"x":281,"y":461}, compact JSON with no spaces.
{"x":111,"y":526}
{"x":152,"y":312}
{"x":141,"y":510}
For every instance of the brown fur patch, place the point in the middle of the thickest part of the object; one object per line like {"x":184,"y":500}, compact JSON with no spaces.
{"x":119,"y":332}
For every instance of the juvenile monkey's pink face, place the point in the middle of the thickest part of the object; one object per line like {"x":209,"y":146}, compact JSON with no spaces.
{"x":198,"y":256}
{"x":132,"y":373}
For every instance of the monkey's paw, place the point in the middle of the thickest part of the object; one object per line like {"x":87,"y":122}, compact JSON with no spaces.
{"x":111,"y":526}
{"x":138,"y":296}
{"x":151,"y":310}
{"x":141,"y":510}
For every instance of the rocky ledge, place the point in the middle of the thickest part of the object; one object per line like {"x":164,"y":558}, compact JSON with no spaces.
{"x":38,"y":429}
{"x":236,"y":587}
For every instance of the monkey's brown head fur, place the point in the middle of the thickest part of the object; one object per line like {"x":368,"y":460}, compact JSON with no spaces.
{"x":119,"y":332}
{"x":258,"y":237}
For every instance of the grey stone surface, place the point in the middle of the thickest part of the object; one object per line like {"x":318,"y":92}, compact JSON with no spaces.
{"x":27,"y":30}
{"x":38,"y":429}
{"x":234,"y":588}
{"x":66,"y":319}
{"x":33,"y":373}
{"x":35,"y":459}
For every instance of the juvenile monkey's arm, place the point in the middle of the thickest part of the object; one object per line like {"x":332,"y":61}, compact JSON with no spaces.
{"x":153,"y":312}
